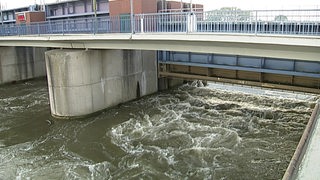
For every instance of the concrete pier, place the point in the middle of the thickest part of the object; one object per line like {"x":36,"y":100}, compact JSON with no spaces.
{"x":82,"y":82}
{"x":21,"y":63}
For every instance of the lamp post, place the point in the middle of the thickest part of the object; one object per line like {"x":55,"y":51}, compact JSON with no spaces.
{"x":94,"y":4}
{"x":95,"y":8}
{"x":1,"y":13}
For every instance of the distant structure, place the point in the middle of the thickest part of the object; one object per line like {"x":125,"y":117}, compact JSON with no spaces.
{"x":73,"y":9}
{"x":122,"y":7}
{"x":76,"y":9}
{"x":178,"y":6}
{"x":8,"y":16}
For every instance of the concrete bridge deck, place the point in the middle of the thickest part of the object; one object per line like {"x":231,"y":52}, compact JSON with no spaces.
{"x":274,"y":46}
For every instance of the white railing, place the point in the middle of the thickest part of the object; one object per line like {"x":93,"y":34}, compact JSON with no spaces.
{"x":291,"y":22}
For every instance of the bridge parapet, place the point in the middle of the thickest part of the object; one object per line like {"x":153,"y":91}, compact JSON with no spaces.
{"x":290,"y":22}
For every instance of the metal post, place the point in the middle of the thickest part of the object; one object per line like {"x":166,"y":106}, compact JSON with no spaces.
{"x":142,"y":23}
{"x":62,"y":27}
{"x":1,"y":13}
{"x":94,"y":4}
{"x":38,"y":26}
{"x":131,"y":17}
{"x":256,"y":24}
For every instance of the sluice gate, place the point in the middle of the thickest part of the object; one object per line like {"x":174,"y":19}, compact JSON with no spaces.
{"x":288,"y":74}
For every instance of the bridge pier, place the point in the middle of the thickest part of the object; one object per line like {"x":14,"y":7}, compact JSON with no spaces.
{"x":21,"y":63}
{"x":82,"y":82}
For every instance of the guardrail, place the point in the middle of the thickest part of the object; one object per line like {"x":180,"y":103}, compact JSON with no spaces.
{"x":293,"y":168}
{"x":290,"y":22}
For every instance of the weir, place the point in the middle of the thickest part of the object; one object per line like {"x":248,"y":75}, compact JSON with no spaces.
{"x":91,"y":70}
{"x":278,"y":73}
{"x":82,"y":82}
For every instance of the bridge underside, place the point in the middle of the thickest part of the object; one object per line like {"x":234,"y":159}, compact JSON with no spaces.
{"x":285,"y":74}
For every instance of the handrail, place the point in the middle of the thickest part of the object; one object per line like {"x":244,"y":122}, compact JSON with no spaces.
{"x":288,"y":22}
{"x":298,"y":154}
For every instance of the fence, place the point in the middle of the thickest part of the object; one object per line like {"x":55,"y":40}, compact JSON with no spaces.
{"x":291,"y":22}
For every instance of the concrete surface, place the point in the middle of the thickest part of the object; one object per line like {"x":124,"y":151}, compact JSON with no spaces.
{"x":273,"y":46}
{"x":21,"y":63}
{"x":310,"y":166}
{"x":84,"y":82}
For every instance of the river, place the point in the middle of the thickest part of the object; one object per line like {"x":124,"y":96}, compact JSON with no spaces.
{"x":184,"y":133}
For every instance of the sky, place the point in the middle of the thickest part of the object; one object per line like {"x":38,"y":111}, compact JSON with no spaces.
{"x":211,"y":4}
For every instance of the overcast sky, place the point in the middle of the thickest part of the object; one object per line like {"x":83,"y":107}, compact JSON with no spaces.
{"x":213,"y":4}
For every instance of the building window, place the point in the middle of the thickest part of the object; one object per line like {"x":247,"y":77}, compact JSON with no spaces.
{"x":53,"y":12}
{"x":10,"y":16}
{"x":70,"y":9}
{"x":5,"y":16}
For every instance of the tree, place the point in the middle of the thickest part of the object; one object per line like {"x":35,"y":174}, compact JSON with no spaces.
{"x":281,"y":18}
{"x":229,"y":14}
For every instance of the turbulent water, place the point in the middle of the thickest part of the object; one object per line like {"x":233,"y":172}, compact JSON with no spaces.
{"x":185,"y":133}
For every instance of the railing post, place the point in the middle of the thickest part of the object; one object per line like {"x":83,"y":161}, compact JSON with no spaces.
{"x":95,"y":25}
{"x":50,"y":27}
{"x":256,"y":24}
{"x":188,"y":22}
{"x":142,"y":23}
{"x":18,"y":30}
{"x":38,"y":26}
{"x":62,"y":27}
{"x":191,"y":22}
{"x":131,"y":17}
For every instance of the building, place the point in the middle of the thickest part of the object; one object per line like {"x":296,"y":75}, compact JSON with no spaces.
{"x":28,"y":17}
{"x":8,"y":16}
{"x":79,"y":11}
{"x":122,"y":7}
{"x":178,"y":6}
{"x":76,"y":16}
{"x":76,"y":9}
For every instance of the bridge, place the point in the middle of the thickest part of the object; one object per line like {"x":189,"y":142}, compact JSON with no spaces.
{"x":92,"y":64}
{"x":276,"y":61}
{"x":246,"y":47}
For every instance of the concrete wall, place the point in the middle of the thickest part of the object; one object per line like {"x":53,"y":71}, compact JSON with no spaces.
{"x":84,"y":82}
{"x":21,"y":63}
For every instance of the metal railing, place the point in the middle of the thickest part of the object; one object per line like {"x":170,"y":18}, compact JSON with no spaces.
{"x":290,"y":22}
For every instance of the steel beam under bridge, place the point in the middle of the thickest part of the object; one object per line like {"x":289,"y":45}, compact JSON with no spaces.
{"x":305,"y":48}
{"x":254,"y":71}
